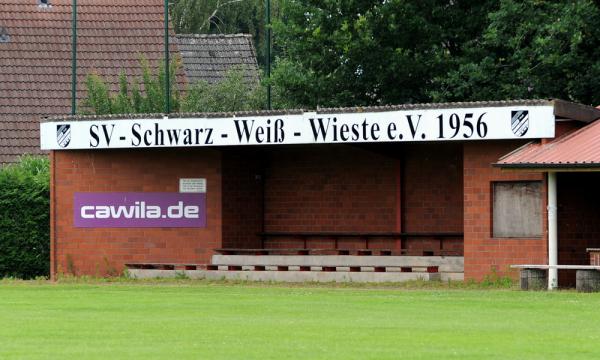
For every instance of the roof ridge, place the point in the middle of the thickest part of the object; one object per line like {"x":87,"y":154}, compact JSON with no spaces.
{"x":440,"y":105}
{"x":214,"y":35}
{"x":319,"y":110}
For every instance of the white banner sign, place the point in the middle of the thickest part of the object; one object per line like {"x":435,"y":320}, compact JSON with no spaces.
{"x":511,"y":122}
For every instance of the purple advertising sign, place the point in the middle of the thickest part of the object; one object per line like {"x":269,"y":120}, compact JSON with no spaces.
{"x":139,"y":209}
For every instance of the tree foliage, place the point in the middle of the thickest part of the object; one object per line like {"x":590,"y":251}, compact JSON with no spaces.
{"x":25,"y":218}
{"x":374,"y":52}
{"x":233,"y":93}
{"x":149,"y":97}
{"x":351,"y":52}
{"x":370,"y":52}
{"x":530,"y":49}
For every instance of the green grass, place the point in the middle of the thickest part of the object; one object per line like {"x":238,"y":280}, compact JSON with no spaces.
{"x":204,"y":320}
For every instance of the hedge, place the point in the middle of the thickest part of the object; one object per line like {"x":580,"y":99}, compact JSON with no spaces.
{"x":25,"y":218}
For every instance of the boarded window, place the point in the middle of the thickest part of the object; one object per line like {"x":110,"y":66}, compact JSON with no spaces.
{"x":517,"y":209}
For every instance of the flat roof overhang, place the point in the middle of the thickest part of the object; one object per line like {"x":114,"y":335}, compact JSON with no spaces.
{"x":461,"y":121}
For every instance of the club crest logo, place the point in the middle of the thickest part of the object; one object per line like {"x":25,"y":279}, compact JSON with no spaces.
{"x":63,"y":135}
{"x":519,"y":122}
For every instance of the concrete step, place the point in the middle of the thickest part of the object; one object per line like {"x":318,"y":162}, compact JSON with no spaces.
{"x":454,"y":264}
{"x":295,"y":276}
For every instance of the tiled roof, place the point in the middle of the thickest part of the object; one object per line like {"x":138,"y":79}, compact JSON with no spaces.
{"x":576,"y":150}
{"x":35,"y":63}
{"x":208,"y":57}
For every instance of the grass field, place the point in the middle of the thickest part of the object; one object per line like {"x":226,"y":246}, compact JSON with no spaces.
{"x":198,"y":320}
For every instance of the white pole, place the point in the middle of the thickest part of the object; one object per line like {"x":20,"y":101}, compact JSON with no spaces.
{"x":552,"y":231}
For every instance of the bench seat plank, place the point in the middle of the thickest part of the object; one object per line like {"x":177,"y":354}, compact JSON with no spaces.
{"x":330,"y":251}
{"x":359,"y":234}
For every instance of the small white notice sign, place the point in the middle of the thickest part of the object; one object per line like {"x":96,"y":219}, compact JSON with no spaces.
{"x":192,"y":185}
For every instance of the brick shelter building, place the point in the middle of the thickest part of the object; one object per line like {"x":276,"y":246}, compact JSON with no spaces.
{"x":411,"y":180}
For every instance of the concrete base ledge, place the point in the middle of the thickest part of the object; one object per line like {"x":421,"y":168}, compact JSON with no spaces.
{"x":292,"y":276}
{"x":533,"y":279}
{"x":588,"y":280}
{"x":445,"y":263}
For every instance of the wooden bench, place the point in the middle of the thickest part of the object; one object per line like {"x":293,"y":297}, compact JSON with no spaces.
{"x":534,"y":277}
{"x":324,"y":268}
{"x":396,"y":237}
{"x":303,"y":251}
{"x":284,"y":267}
{"x":166,"y":266}
{"x":451,"y":266}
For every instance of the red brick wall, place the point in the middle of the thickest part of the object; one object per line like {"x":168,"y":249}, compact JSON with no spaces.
{"x":482,"y":252}
{"x":432,"y":195}
{"x":329,"y":188}
{"x":578,"y":220}
{"x":345,"y":188}
{"x":242,"y":197}
{"x":565,"y":127}
{"x":100,"y":251}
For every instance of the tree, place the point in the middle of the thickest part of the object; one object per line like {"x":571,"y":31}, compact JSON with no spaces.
{"x":100,"y":99}
{"x":370,"y":52}
{"x":530,"y":49}
{"x":233,"y":93}
{"x":25,"y":218}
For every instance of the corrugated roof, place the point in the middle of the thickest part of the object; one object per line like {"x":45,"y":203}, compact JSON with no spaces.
{"x":35,"y":63}
{"x":578,"y":149}
{"x":208,"y":57}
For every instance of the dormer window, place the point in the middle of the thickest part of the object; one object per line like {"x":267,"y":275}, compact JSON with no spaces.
{"x":4,"y":37}
{"x":44,"y":4}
